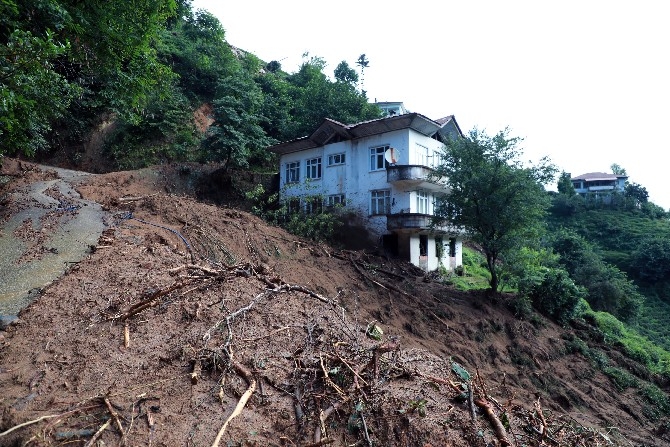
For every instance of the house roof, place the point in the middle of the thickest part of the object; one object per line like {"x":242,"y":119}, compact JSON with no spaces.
{"x":330,"y":130}
{"x":592,"y":176}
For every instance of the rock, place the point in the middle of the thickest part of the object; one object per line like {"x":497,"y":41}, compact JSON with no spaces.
{"x":7,"y":320}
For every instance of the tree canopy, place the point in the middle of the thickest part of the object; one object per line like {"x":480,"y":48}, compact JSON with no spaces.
{"x":494,"y":197}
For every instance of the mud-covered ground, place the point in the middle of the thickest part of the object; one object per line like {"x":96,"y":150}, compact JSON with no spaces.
{"x":184,"y":311}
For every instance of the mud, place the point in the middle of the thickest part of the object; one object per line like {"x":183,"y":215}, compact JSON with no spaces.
{"x":169,"y":337}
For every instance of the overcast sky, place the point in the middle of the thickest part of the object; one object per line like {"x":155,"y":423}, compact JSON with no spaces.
{"x":586,"y":83}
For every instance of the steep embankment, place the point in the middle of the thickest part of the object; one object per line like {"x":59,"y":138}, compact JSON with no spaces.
{"x":167,"y":335}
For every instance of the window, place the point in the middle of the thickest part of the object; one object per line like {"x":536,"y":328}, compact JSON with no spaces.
{"x":313,"y":205}
{"x":380,"y":202}
{"x":314,"y":168}
{"x":377,"y":161}
{"x":421,"y":202}
{"x":293,"y":206}
{"x":423,"y":245}
{"x":335,"y":199}
{"x":293,"y":172}
{"x":336,"y":159}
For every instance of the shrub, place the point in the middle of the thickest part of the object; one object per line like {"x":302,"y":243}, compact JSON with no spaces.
{"x":621,"y":378}
{"x":556,"y":295}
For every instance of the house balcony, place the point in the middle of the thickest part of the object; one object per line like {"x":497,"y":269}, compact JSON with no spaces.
{"x":414,"y":176}
{"x":416,"y":223}
{"x":600,"y":188}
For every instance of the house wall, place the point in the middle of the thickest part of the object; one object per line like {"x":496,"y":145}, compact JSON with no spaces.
{"x":356,"y":181}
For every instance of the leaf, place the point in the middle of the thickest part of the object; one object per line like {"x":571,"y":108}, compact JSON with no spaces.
{"x":460,"y":371}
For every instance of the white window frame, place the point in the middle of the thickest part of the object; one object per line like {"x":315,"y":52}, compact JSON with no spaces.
{"x":422,"y":202}
{"x":380,"y":202}
{"x":313,"y":168}
{"x":293,"y":172}
{"x":377,"y":157}
{"x":336,"y":159}
{"x":336,"y":199}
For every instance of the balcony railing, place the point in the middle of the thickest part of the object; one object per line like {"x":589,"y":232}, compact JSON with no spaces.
{"x":414,"y":222}
{"x":414,"y":176}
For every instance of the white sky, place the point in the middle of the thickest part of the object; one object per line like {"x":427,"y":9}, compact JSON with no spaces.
{"x":586,"y":83}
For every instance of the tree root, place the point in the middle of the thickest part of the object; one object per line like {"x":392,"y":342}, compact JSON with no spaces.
{"x":498,"y":427}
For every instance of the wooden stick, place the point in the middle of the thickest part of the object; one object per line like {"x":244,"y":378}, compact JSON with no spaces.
{"x":126,"y":335}
{"x":42,"y":418}
{"x":98,"y":433}
{"x":114,"y":415}
{"x":241,"y":403}
{"x":498,"y":427}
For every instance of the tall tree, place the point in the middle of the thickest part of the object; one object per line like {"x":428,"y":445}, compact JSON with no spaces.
{"x":497,"y":200}
{"x":564,"y":185}
{"x":363,"y":63}
{"x":236,"y":134}
{"x":617,"y":169}
{"x":344,"y":73}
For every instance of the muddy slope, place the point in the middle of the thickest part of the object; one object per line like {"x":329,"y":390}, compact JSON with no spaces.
{"x":185,"y":308}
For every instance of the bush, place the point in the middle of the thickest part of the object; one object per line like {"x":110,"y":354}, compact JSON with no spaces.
{"x":557,"y":295}
{"x":621,"y":378}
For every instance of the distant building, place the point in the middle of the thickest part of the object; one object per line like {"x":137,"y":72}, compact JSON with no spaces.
{"x":392,"y":108}
{"x":380,"y":169}
{"x":599,"y":184}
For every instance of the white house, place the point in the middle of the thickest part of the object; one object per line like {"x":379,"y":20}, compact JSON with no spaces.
{"x":599,"y":184}
{"x":381,"y":169}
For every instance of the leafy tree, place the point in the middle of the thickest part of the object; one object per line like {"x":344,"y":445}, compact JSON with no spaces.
{"x":651,"y":261}
{"x":344,"y":73}
{"x":494,"y":197}
{"x":195,"y":49}
{"x":315,"y":97}
{"x":32,"y":93}
{"x":236,"y":134}
{"x":637,"y":193}
{"x":617,"y":170}
{"x":608,"y":288}
{"x":564,"y":185}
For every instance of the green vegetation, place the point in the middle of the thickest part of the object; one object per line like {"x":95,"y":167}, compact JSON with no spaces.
{"x":309,"y":217}
{"x":473,"y":275}
{"x":146,"y":66}
{"x":494,"y":197}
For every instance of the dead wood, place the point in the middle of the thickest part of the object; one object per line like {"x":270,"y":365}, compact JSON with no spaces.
{"x":149,"y":301}
{"x":42,"y":418}
{"x":103,"y":427}
{"x":115,"y":417}
{"x":244,"y":372}
{"x":498,"y":427}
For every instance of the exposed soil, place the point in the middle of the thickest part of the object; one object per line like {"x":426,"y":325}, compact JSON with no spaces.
{"x":185,"y":308}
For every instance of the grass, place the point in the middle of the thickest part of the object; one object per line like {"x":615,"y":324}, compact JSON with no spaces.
{"x":636,"y":346}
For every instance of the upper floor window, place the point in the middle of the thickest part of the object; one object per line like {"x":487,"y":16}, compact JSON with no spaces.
{"x":336,"y":159}
{"x":314,"y":168}
{"x":377,"y":161}
{"x":421,"y":202}
{"x":380,"y":201}
{"x":293,"y":172}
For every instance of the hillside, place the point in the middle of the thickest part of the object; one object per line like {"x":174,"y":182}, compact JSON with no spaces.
{"x":167,"y":335}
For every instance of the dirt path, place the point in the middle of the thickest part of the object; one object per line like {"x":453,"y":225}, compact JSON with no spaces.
{"x":46,"y":227}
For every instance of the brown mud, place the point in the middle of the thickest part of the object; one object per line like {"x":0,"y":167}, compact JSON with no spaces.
{"x":154,"y":339}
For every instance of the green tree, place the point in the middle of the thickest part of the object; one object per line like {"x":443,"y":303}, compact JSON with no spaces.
{"x":617,"y":170}
{"x":608,"y":288}
{"x":637,"y":194}
{"x":32,"y":93}
{"x":651,"y":261}
{"x":497,"y":200}
{"x":344,"y":73}
{"x":236,"y":134}
{"x":564,"y":185}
